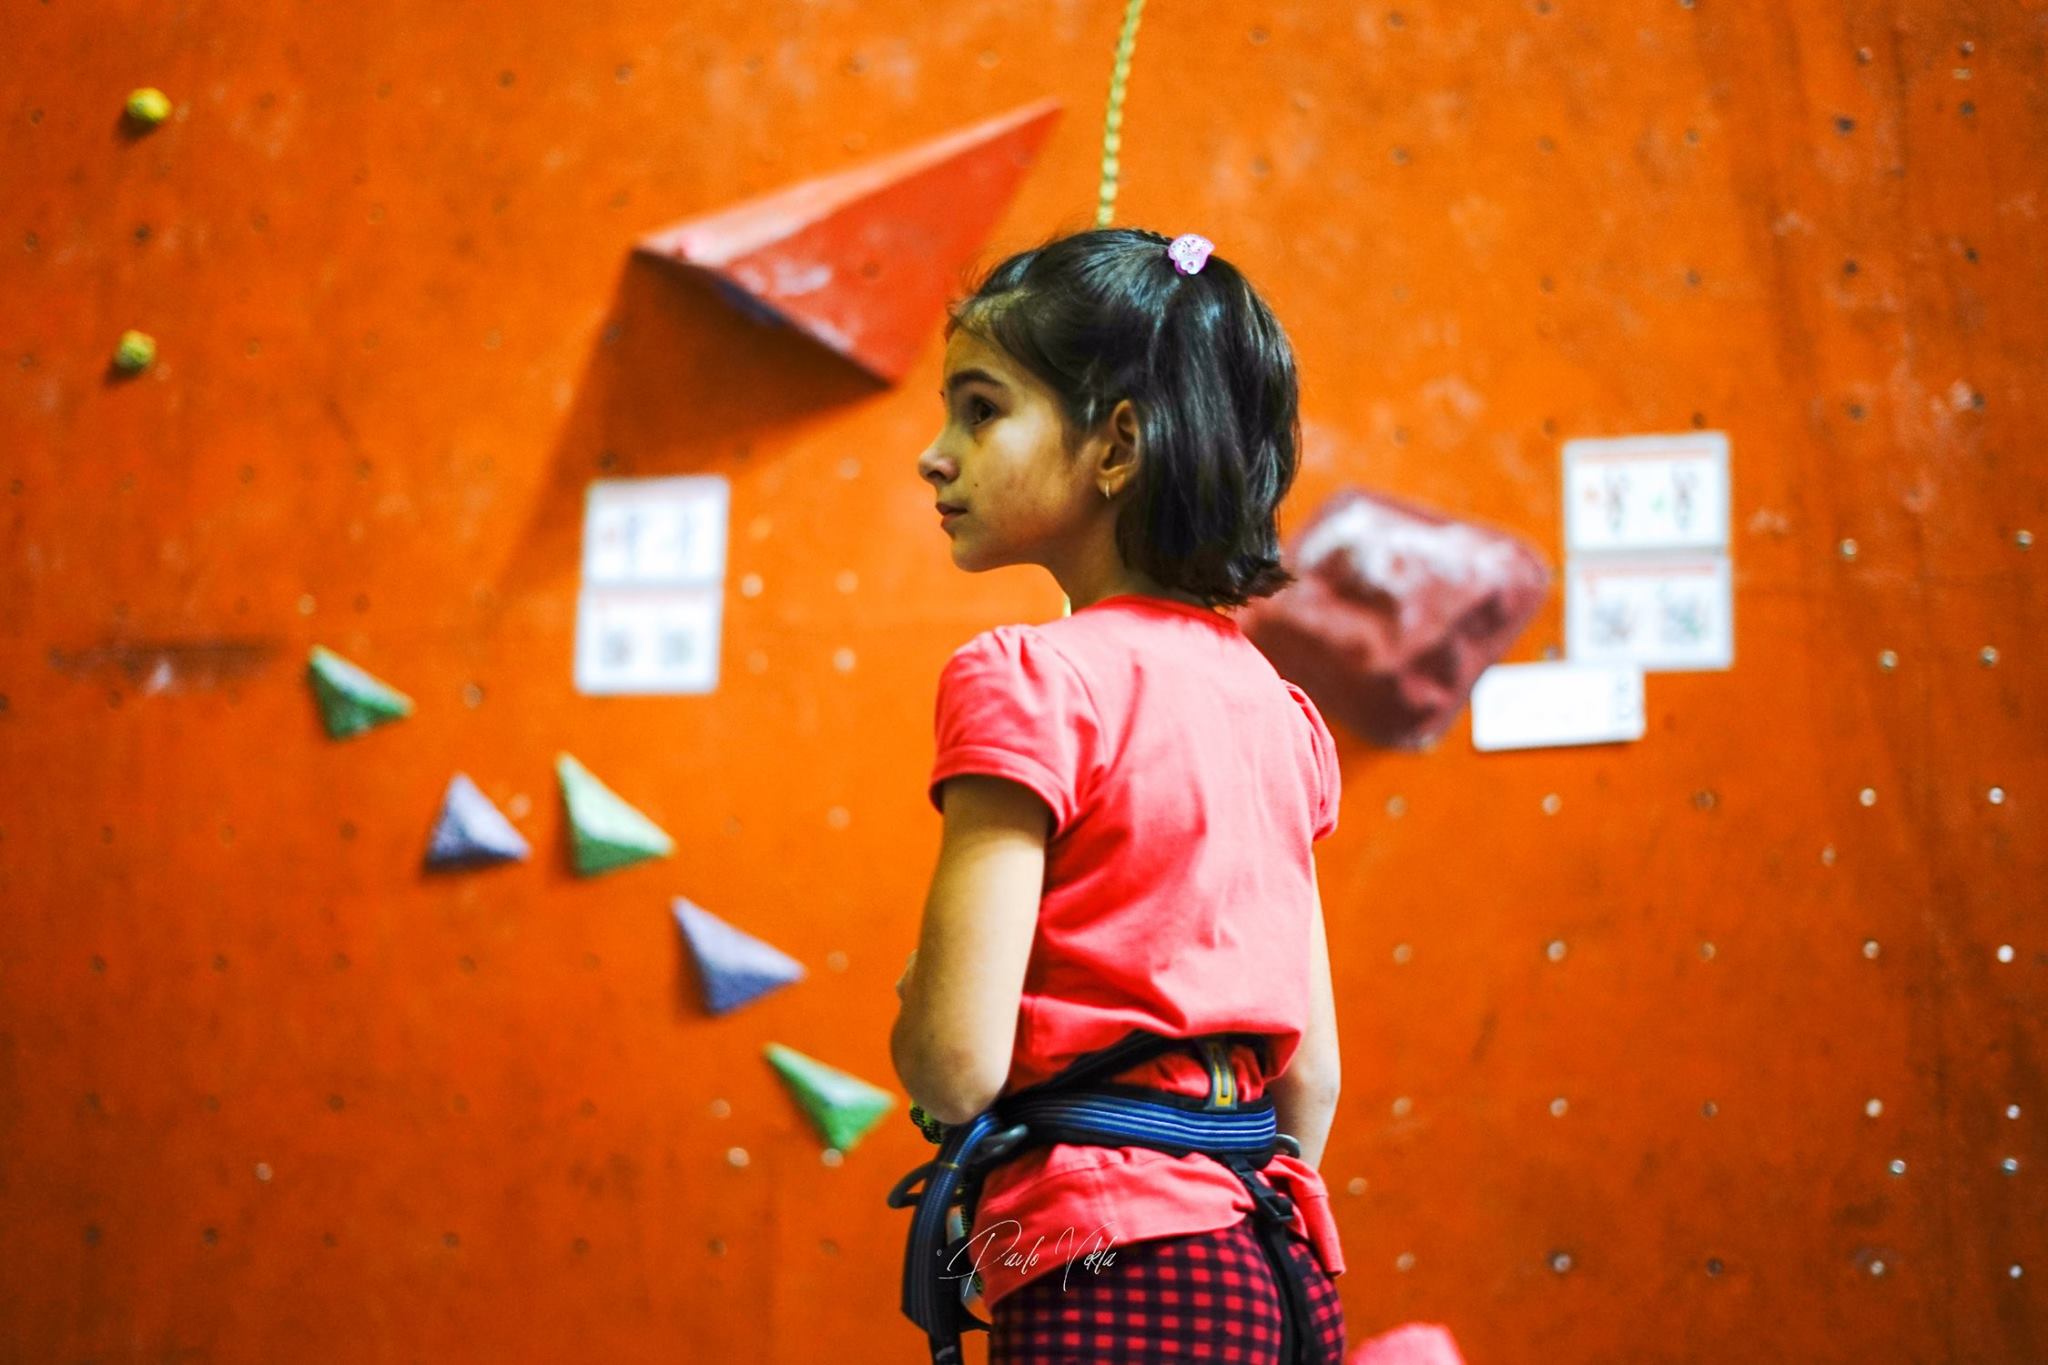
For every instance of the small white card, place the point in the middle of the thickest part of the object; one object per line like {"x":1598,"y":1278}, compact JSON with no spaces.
{"x":1666,"y":613}
{"x":1629,"y":494}
{"x":1533,"y":706}
{"x":648,"y":618}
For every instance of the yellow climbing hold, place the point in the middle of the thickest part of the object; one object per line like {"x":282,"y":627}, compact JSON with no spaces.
{"x":149,"y":106}
{"x":135,"y":352}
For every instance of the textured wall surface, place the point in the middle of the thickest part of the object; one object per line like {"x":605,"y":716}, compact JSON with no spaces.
{"x":1633,"y":1035}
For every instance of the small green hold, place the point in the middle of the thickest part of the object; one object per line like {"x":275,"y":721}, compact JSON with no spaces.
{"x":149,"y":106}
{"x":842,"y":1106}
{"x":135,"y":352}
{"x":605,"y":831}
{"x":351,"y":700}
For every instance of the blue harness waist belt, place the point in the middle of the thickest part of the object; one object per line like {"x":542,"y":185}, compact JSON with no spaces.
{"x":1068,"y":1108}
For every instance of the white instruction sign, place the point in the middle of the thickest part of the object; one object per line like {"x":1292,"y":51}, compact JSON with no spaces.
{"x":1667,"y":613}
{"x":648,"y":619}
{"x":1628,"y":494}
{"x":1648,"y":579}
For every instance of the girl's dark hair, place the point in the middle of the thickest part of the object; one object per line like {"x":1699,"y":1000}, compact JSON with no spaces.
{"x":1103,"y":315}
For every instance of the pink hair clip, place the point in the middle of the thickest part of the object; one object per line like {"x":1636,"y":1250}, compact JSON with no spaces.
{"x":1190,"y":252}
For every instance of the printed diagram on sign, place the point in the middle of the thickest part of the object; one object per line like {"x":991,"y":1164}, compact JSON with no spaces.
{"x":1648,"y":579}
{"x":1666,"y":614}
{"x":648,"y":619}
{"x":1672,"y":498}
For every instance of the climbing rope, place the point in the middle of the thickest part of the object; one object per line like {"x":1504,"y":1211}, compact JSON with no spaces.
{"x":1112,"y":131}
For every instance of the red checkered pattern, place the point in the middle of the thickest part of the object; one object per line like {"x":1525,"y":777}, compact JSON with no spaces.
{"x":1209,"y":1296}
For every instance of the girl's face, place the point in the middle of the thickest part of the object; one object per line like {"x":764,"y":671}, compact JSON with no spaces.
{"x":1002,"y":457}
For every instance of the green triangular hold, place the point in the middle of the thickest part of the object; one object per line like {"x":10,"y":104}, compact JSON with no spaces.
{"x":607,"y":832}
{"x":843,"y":1106}
{"x":351,"y":701}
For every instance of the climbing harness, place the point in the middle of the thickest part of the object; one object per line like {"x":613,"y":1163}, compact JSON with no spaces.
{"x":1078,"y":1106}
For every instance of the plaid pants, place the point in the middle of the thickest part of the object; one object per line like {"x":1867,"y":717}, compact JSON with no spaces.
{"x":1209,"y":1296}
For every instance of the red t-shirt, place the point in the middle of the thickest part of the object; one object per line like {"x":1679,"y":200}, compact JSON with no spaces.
{"x":1187,"y":780}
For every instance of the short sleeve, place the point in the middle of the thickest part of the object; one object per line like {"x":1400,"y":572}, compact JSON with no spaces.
{"x":1329,"y":777}
{"x":1011,"y":705}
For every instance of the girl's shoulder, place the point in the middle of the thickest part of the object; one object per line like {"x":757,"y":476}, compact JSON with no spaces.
{"x":1013,"y":640}
{"x":1018,"y":657}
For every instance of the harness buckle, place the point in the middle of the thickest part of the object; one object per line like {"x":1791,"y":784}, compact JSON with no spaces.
{"x":1274,"y":1206}
{"x":1270,"y":1206}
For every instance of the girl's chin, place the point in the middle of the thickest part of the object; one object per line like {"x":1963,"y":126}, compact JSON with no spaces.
{"x":970,"y":559}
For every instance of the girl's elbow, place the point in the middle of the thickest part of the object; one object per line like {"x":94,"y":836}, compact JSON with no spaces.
{"x":952,"y":1114}
{"x":947,"y":1087}
{"x":960,"y":1093}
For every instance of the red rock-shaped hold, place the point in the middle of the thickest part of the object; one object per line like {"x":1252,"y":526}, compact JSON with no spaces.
{"x":1395,"y":613}
{"x":865,"y":260}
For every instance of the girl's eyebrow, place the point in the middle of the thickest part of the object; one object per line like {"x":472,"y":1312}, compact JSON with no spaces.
{"x":959,"y":377}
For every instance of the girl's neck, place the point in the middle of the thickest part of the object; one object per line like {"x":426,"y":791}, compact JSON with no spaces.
{"x":1142,"y":589}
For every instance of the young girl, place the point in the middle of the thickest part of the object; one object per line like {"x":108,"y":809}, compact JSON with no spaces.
{"x":1130,"y":794}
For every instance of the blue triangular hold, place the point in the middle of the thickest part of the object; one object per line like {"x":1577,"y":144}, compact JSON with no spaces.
{"x":733,"y":966}
{"x":472,"y":831}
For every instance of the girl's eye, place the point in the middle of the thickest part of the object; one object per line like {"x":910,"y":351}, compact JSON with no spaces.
{"x":979,"y":410}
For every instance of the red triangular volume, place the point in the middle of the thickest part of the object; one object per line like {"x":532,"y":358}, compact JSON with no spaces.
{"x":865,"y":260}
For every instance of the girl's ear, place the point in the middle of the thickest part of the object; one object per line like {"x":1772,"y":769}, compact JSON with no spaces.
{"x":1118,"y":443}
{"x":1123,"y":425}
{"x":1122,"y":452}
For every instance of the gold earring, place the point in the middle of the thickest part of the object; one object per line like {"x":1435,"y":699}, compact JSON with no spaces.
{"x":1106,"y":494}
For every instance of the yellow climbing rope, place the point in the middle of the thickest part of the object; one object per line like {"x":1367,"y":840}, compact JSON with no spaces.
{"x":1112,"y":145}
{"x":1113,"y":124}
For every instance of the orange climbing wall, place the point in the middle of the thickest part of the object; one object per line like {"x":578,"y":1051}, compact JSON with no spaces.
{"x":267,"y":1094}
